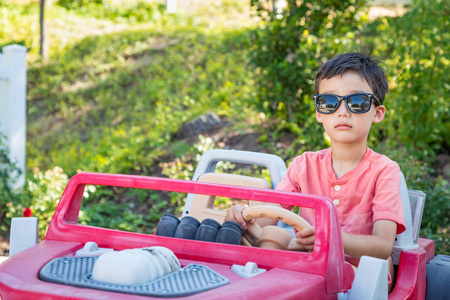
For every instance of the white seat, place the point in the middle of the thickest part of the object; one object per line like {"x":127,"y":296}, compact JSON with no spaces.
{"x":413,"y":203}
{"x":209,"y":160}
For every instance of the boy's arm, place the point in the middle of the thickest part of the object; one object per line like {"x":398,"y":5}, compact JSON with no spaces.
{"x":379,"y":244}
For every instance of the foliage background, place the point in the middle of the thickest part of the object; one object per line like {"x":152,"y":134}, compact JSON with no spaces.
{"x":124,"y":76}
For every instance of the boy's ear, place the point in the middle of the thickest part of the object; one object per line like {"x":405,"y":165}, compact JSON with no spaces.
{"x":318,"y":117}
{"x":379,"y":114}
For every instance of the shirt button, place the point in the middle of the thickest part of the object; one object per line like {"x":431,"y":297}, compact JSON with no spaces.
{"x":337,"y":187}
{"x":336,"y":201}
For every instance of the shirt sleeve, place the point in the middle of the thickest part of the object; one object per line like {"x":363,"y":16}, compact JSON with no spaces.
{"x":387,"y":203}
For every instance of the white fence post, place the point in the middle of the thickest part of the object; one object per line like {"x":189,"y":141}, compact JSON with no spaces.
{"x":13,"y":77}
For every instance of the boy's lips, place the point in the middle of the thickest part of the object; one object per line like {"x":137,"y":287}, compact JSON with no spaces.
{"x":343,"y":126}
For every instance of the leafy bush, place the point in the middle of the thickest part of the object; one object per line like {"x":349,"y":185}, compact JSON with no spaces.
{"x":415,"y":47}
{"x":41,"y":195}
{"x":130,"y":209}
{"x":78,"y":3}
{"x":134,"y":12}
{"x":124,"y":209}
{"x":289,"y":46}
{"x":44,"y":191}
{"x":8,"y":174}
{"x":436,"y":217}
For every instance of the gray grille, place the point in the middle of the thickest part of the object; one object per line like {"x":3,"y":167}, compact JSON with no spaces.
{"x":76,"y":271}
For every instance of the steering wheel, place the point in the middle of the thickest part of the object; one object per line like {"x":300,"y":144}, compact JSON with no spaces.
{"x":272,"y":237}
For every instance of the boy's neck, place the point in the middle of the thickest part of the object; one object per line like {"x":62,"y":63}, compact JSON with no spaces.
{"x":345,"y":158}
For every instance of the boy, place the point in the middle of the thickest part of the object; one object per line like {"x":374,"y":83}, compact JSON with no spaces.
{"x":363,"y":185}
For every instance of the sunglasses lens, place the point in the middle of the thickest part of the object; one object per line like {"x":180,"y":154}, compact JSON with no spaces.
{"x":327,"y":104}
{"x":359,"y":103}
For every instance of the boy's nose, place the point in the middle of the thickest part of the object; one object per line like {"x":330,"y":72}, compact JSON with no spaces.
{"x":342,"y":109}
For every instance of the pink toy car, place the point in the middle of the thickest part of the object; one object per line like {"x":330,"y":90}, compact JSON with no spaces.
{"x":61,"y":266}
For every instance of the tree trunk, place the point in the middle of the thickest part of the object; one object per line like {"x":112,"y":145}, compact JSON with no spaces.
{"x":43,"y":51}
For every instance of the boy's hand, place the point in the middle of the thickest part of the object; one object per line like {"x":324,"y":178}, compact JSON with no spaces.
{"x":306,"y":238}
{"x":235,"y":214}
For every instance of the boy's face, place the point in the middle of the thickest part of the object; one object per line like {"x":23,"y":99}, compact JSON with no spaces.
{"x":344,"y":126}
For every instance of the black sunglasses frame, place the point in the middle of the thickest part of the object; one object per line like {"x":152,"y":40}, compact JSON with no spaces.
{"x":345,"y":99}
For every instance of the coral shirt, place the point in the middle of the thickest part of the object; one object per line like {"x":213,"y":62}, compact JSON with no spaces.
{"x":368,"y":193}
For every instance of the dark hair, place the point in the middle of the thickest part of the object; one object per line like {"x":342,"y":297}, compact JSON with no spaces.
{"x":363,"y":65}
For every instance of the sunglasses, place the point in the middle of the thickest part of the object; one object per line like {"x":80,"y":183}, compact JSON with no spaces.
{"x":358,"y":103}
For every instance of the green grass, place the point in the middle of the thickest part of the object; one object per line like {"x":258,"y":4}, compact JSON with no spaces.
{"x":133,"y":87}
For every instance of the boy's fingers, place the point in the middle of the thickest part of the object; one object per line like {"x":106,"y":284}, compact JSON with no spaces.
{"x":306,"y":240}
{"x":306,"y":232}
{"x":307,"y":244}
{"x":237,"y":216}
